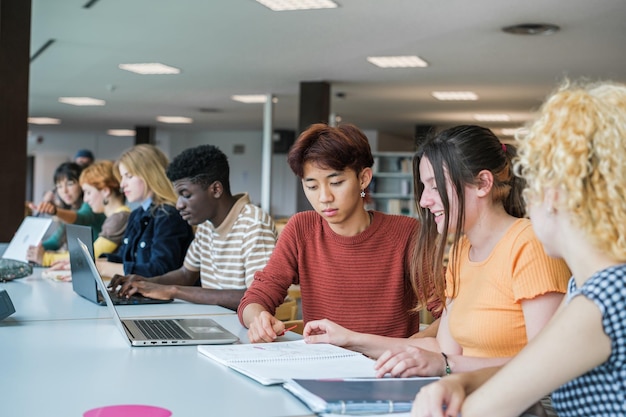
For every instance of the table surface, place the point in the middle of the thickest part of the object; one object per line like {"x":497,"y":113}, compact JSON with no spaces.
{"x":37,"y":298}
{"x":61,"y":355}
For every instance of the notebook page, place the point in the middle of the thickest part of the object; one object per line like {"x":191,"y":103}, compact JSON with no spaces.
{"x":275,"y":363}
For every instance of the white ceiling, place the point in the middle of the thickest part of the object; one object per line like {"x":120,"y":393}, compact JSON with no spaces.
{"x":227,"y":47}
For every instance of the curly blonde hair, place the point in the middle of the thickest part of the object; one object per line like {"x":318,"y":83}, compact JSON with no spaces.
{"x":578,"y":144}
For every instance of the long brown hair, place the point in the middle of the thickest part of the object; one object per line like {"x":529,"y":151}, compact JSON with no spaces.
{"x":458,"y":153}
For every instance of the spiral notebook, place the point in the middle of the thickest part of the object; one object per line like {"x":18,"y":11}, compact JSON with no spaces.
{"x":278,"y":362}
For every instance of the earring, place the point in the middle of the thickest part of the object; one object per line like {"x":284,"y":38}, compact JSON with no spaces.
{"x":105,"y":201}
{"x":362,"y":193}
{"x":551,"y":211}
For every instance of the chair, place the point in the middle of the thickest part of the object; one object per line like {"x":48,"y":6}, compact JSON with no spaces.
{"x":294,"y":292}
{"x":288,"y":310}
{"x":298,"y":323}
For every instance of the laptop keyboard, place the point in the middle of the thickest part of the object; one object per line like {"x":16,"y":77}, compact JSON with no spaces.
{"x":133,"y":299}
{"x":161,"y":329}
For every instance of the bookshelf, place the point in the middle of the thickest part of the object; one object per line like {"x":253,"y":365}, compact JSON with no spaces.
{"x":391,"y":189}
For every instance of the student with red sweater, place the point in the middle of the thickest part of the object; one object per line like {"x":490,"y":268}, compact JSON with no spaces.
{"x":352,"y":265}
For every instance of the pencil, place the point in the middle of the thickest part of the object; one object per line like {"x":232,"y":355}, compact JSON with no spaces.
{"x":287,"y":329}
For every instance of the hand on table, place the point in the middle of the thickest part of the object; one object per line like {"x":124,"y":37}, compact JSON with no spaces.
{"x":410,"y":361}
{"x":439,"y":399}
{"x":326,"y":331}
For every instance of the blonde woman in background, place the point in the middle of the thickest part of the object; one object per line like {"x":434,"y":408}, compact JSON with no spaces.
{"x":156,"y":237}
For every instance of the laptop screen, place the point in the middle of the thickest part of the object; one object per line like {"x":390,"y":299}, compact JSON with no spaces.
{"x":30,"y":233}
{"x":82,"y":279}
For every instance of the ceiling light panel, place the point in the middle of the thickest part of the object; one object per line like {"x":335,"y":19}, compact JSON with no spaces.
{"x":121,"y":132}
{"x":408,"y":61}
{"x":455,"y":95}
{"x":174,"y":119}
{"x":153,"y":68}
{"x":286,"y":5}
{"x":492,"y":117}
{"x":82,"y":101}
{"x":44,"y":121}
{"x":250,"y":98}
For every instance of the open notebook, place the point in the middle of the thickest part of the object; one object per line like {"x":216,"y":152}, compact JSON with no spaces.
{"x":277,"y":362}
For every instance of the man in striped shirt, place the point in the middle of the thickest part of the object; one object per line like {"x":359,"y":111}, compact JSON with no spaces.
{"x":234,"y":238}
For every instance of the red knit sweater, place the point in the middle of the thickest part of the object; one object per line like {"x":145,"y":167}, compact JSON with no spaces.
{"x":360,"y":282}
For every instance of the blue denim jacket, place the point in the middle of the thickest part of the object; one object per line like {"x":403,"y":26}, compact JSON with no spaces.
{"x":155,"y":242}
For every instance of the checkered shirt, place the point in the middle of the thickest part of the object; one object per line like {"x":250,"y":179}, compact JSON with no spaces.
{"x":601,"y":391}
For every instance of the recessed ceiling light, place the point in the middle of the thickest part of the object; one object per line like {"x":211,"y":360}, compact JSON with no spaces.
{"x":284,"y":5}
{"x":251,"y":98}
{"x":44,"y":121}
{"x":153,"y":68}
{"x":455,"y":95}
{"x":409,"y":61}
{"x":175,"y":119}
{"x":121,"y":132}
{"x":492,"y":117}
{"x":82,"y":101}
{"x":532,"y":29}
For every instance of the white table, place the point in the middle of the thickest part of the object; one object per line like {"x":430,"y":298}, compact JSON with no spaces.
{"x":37,"y":298}
{"x":61,"y":355}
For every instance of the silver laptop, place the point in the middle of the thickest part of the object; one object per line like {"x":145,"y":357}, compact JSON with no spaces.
{"x":82,"y":279}
{"x":30,"y":233}
{"x":163,"y":331}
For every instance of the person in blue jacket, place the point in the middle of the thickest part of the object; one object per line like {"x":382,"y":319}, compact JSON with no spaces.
{"x":156,"y":237}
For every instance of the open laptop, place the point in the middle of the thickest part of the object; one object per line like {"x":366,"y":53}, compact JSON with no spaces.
{"x":82,"y":279}
{"x":163,"y":330}
{"x":30,"y":233}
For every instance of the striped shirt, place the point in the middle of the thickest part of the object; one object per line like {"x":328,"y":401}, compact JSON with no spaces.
{"x":228,"y":256}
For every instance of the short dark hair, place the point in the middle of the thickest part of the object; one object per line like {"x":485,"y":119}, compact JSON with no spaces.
{"x":202,"y":165}
{"x":69,"y":171}
{"x":339,"y":148}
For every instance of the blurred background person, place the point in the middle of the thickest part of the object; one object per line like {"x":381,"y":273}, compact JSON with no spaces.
{"x":72,"y":210}
{"x":101,"y":190}
{"x":83,"y":158}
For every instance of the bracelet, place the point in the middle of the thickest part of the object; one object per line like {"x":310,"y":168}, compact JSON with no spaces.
{"x":448,"y":371}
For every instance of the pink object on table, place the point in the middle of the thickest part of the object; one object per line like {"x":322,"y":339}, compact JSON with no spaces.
{"x":129,"y":410}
